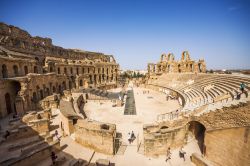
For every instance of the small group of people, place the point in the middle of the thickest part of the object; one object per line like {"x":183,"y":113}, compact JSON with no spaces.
{"x":242,"y":89}
{"x":145,"y":92}
{"x":182,"y":154}
{"x":131,"y":137}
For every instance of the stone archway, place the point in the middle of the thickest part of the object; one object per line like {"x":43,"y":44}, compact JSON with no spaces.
{"x":197,"y":130}
{"x":4,"y":71}
{"x":8,"y":103}
{"x":200,"y":67}
{"x":179,"y":68}
{"x":26,"y":70}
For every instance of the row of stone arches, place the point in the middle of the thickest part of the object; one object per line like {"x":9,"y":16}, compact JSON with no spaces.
{"x":16,"y":71}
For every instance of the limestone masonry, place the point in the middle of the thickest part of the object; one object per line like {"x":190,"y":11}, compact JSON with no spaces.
{"x":72,"y":107}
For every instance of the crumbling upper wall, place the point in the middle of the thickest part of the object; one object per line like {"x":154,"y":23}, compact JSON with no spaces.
{"x":20,"y":40}
{"x":168,"y":64}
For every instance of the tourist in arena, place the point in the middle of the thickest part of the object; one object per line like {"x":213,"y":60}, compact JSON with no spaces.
{"x":168,"y":154}
{"x":242,"y":87}
{"x":129,"y":138}
{"x":182,"y":153}
{"x":56,"y":134}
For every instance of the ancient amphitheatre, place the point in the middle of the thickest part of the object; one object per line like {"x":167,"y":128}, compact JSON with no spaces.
{"x":45,"y":88}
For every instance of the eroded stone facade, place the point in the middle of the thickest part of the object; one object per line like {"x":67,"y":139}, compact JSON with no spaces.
{"x":32,"y":68}
{"x":168,"y":64}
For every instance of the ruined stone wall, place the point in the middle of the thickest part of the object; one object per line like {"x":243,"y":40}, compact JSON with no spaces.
{"x":33,"y":157}
{"x":168,"y":64}
{"x":157,"y":142}
{"x":226,"y":132}
{"x":15,"y":39}
{"x":229,"y":147}
{"x":96,"y":135}
{"x":43,"y":69}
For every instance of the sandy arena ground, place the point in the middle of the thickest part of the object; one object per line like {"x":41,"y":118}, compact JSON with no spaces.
{"x":148,"y":106}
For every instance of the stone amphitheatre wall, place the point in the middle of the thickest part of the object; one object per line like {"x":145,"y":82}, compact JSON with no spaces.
{"x":229,"y":147}
{"x":96,"y":135}
{"x":19,"y":40}
{"x":226,"y":136}
{"x":157,"y":143}
{"x":32,"y":68}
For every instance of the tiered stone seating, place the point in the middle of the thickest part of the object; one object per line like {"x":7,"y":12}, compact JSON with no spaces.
{"x":214,"y":90}
{"x":29,"y":137}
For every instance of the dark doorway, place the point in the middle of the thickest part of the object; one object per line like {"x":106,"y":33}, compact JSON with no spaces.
{"x":35,"y":69}
{"x":198,"y":130}
{"x":15,"y":69}
{"x":200,"y":67}
{"x":25,"y":70}
{"x":179,"y":68}
{"x":4,"y":71}
{"x":8,"y":103}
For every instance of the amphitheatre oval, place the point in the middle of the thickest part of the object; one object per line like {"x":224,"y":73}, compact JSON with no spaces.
{"x":73,"y":107}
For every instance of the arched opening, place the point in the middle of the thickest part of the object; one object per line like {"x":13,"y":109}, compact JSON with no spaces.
{"x":200,"y":67}
{"x":8,"y":103}
{"x":41,"y":94}
{"x":100,"y":78}
{"x":90,"y":79}
{"x":64,"y":85}
{"x":198,"y":132}
{"x":70,"y":85}
{"x":191,"y":67}
{"x":88,"y":69}
{"x":95,"y":79}
{"x":83,"y":70}
{"x":71,"y":70}
{"x":65,"y":70}
{"x":26,"y":70}
{"x":164,"y":127}
{"x":4,"y":71}
{"x":35,"y":69}
{"x":51,"y":69}
{"x":60,"y":89}
{"x":54,"y":89}
{"x":77,"y":71}
{"x":81,"y":84}
{"x":58,"y":70}
{"x":15,"y":69}
{"x":179,"y":68}
{"x":104,"y":127}
{"x":34,"y":98}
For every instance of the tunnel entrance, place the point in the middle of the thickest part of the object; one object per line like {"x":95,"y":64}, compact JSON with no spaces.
{"x":198,"y":131}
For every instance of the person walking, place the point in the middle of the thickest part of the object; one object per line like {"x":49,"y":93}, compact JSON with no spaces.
{"x":53,"y":157}
{"x":242,"y":87}
{"x":57,"y":136}
{"x":129,"y":138}
{"x":182,"y":153}
{"x":168,"y":154}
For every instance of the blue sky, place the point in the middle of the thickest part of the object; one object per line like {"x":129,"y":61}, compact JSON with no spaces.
{"x":137,"y":32}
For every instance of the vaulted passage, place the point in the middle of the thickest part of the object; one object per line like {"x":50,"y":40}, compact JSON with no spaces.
{"x":8,"y":103}
{"x":198,"y":131}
